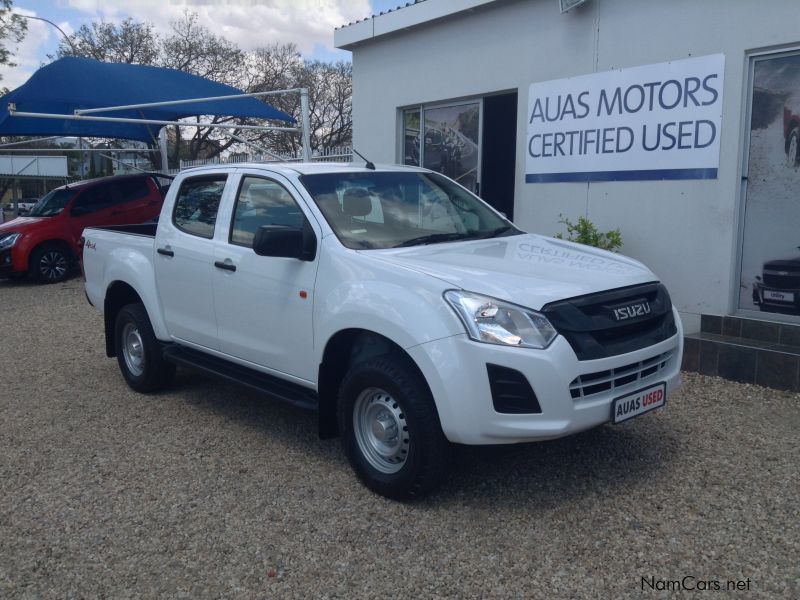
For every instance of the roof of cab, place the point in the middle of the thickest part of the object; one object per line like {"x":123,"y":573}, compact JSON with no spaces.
{"x":308,"y":168}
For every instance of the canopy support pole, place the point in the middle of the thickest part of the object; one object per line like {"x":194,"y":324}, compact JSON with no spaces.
{"x":305,"y":117}
{"x":162,"y":146}
{"x":15,"y":113}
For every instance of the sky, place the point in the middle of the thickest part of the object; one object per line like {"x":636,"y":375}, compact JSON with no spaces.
{"x":248,"y":23}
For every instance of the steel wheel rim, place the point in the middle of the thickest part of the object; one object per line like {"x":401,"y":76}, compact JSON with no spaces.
{"x":133,"y":349}
{"x":53,"y":265}
{"x":381,"y":430}
{"x":792,"y":154}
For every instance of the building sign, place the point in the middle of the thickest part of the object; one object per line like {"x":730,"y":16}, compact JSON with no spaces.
{"x":770,"y":272}
{"x":658,"y":121}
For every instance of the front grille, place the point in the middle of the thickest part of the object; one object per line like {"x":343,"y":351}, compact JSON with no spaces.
{"x":511,"y":392}
{"x":590,"y":384}
{"x":782,"y":282}
{"x":588,"y":322}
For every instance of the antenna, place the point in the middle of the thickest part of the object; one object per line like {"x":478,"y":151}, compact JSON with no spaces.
{"x":370,"y":165}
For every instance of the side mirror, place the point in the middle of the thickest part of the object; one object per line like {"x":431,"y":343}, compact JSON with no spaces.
{"x":79,"y":211}
{"x":286,"y":242}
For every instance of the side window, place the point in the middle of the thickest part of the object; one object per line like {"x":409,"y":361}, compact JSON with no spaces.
{"x":262,"y":202}
{"x":95,"y":198}
{"x":197,"y":204}
{"x":133,"y":189}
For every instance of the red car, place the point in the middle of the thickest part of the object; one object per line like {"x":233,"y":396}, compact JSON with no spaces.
{"x":45,"y":243}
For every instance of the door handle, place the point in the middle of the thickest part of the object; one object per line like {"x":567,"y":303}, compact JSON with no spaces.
{"x":225,"y":266}
{"x":117,"y":212}
{"x":165,"y":252}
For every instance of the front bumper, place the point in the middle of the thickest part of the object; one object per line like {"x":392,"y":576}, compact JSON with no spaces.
{"x":6,"y":263}
{"x":455,"y":369}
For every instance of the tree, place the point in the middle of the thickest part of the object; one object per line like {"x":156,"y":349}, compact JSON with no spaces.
{"x":12,"y":29}
{"x":195,"y":49}
{"x":330,"y":87}
{"x":132,"y":42}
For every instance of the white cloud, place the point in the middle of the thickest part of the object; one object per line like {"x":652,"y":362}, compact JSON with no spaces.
{"x":247,"y":23}
{"x":26,"y":54}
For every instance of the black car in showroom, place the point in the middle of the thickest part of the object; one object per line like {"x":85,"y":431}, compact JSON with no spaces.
{"x":778,"y":288}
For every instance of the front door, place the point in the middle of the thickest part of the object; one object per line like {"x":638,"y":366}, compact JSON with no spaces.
{"x":264,"y":304}
{"x":184,"y":261}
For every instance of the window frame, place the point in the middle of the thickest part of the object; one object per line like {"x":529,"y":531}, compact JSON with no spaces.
{"x":242,"y":179}
{"x":211,"y":177}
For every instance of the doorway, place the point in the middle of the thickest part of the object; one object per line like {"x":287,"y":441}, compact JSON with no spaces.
{"x":498,"y":152}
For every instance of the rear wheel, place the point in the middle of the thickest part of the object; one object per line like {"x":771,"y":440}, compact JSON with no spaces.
{"x":390,"y":429}
{"x":49,"y":264}
{"x":139,"y":352}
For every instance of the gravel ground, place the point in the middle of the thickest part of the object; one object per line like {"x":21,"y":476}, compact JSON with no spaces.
{"x":209,"y":490}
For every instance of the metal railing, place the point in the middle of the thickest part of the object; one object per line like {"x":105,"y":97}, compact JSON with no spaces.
{"x":335,"y":154}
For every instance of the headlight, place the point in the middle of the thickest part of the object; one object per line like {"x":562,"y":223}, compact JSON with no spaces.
{"x":496,"y":322}
{"x":9,"y":240}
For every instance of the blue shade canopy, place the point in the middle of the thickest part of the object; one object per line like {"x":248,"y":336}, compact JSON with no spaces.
{"x":72,"y":83}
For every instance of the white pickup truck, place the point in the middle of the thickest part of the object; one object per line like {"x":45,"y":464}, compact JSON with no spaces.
{"x":401,"y":307}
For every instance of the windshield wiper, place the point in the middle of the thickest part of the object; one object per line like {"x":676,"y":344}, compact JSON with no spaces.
{"x":499,"y":232}
{"x":433,"y":238}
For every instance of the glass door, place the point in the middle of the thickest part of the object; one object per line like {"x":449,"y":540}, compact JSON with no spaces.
{"x":446,"y":139}
{"x":769,"y":276}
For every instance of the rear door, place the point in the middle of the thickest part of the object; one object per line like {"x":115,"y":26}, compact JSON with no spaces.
{"x":139,"y":199}
{"x":95,"y":206}
{"x":184,"y":260}
{"x":264,"y":304}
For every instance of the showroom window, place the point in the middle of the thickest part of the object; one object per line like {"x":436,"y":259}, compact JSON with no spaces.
{"x":770,"y":258}
{"x":446,"y":139}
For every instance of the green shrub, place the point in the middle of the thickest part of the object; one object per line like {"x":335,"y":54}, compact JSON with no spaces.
{"x":585,"y":232}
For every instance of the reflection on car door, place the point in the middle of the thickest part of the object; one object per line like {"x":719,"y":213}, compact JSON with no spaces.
{"x":184,"y":264}
{"x":264,"y":307}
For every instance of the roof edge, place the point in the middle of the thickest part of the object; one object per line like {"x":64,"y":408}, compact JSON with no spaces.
{"x":404,"y":17}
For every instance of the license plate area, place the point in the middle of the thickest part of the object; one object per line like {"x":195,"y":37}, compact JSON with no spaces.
{"x":638,"y":403}
{"x":778,"y":296}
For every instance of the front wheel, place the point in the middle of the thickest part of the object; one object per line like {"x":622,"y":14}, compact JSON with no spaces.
{"x":139,"y":352}
{"x":390,"y":429}
{"x":49,"y":264}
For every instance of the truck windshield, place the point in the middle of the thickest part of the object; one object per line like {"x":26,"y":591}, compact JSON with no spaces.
{"x":393,"y":209}
{"x":52,"y":204}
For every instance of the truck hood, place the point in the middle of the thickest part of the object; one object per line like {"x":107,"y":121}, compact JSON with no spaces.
{"x":20,"y":224}
{"x":530,"y":270}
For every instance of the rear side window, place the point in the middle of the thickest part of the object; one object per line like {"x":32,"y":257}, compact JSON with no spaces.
{"x":262,"y":202}
{"x":96,"y":198}
{"x":197,"y":205}
{"x":133,"y":189}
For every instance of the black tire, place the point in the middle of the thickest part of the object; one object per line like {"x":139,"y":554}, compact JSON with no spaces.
{"x":793,"y":147}
{"x":423,"y":449}
{"x":145,"y":369}
{"x":50,"y":263}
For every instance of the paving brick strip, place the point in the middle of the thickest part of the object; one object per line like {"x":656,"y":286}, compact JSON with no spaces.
{"x":210,"y":491}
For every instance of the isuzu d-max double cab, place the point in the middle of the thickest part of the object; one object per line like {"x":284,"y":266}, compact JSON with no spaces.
{"x":401,"y":307}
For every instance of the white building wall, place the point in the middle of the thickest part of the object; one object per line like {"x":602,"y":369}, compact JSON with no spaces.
{"x":686,"y":231}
